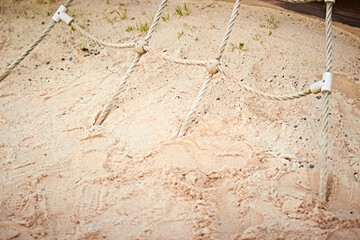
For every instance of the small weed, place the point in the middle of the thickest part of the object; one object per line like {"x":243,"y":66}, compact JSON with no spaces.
{"x":270,"y":33}
{"x":274,"y":24}
{"x":180,"y":34}
{"x":107,"y":1}
{"x":271,"y":23}
{"x":143,"y":27}
{"x":107,"y":18}
{"x":187,"y":12}
{"x":166,"y":17}
{"x":129,"y":28}
{"x":72,"y":28}
{"x":179,"y":11}
{"x":122,"y":16}
{"x":257,"y":37}
{"x":240,"y":47}
{"x":197,"y":39}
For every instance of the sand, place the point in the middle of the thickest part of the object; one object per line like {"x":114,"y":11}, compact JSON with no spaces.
{"x":248,"y":167}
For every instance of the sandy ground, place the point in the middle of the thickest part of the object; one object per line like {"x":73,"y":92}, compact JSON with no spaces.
{"x":248,"y":167}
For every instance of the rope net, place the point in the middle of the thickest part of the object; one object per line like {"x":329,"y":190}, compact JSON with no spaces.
{"x":142,"y":47}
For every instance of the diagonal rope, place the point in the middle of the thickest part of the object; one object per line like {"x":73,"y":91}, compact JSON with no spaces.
{"x":228,"y":30}
{"x":174,"y":60}
{"x":31,"y":47}
{"x":324,"y":148}
{"x":266,"y":95}
{"x":191,"y":113}
{"x":98,"y":41}
{"x":101,"y":116}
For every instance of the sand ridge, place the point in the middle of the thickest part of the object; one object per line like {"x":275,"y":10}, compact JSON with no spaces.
{"x":247,"y":169}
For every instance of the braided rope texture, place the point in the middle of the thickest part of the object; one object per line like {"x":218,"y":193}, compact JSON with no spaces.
{"x":31,"y":47}
{"x":324,"y":166}
{"x":101,"y":116}
{"x":100,"y":42}
{"x":191,"y":113}
{"x":266,"y":95}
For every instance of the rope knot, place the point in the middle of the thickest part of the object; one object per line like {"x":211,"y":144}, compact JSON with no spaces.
{"x":212,"y":66}
{"x":139,"y":46}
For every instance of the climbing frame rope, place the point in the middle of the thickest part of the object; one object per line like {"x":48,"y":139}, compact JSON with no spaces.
{"x":100,"y":118}
{"x":31,"y":47}
{"x":206,"y":83}
{"x":213,"y":66}
{"x":324,"y":166}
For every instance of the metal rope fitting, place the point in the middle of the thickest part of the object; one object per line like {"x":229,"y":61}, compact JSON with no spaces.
{"x":212,"y":66}
{"x":329,"y":1}
{"x":61,"y":15}
{"x":139,"y":46}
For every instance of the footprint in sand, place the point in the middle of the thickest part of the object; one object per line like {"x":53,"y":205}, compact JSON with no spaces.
{"x":92,"y":200}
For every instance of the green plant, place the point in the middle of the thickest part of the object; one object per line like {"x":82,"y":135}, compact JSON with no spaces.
{"x":179,"y":10}
{"x":143,"y":27}
{"x":257,"y":37}
{"x":129,"y":28}
{"x":123,"y":15}
{"x":187,"y":12}
{"x":240,"y":46}
{"x":166,"y":17}
{"x":273,"y":24}
{"x":197,"y":39}
{"x":180,"y":34}
{"x":107,"y":18}
{"x":107,"y":1}
{"x":270,"y":33}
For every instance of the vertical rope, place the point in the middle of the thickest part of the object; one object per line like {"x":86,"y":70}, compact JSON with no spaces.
{"x":100,"y":118}
{"x":191,"y":113}
{"x":324,"y":148}
{"x":30,"y":48}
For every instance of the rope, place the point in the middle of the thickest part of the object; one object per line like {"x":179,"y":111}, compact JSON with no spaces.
{"x":266,"y":95}
{"x":99,"y":42}
{"x":324,"y":148}
{"x":174,"y":60}
{"x":108,"y":107}
{"x":31,"y":47}
{"x":100,"y":118}
{"x":228,"y":30}
{"x":156,"y":20}
{"x":301,"y":1}
{"x":191,"y":113}
{"x":202,"y":91}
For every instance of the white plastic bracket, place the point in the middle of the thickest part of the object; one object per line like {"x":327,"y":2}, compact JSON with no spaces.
{"x":61,"y":15}
{"x":139,"y":47}
{"x":327,"y":82}
{"x":316,"y":87}
{"x":323,"y":85}
{"x":212,"y":66}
